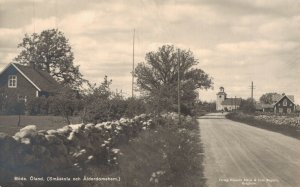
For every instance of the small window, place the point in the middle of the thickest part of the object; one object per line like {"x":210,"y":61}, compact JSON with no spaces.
{"x":12,"y":81}
{"x":284,"y":102}
{"x":220,"y":96}
{"x":280,"y":110}
{"x":289,"y":110}
{"x":22,"y":98}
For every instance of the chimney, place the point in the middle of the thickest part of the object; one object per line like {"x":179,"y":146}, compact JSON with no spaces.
{"x":283,"y":94}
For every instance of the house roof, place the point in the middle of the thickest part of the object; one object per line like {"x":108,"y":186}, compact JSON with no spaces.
{"x":232,"y":101}
{"x":285,"y":96}
{"x":42,"y":80}
{"x":277,"y":97}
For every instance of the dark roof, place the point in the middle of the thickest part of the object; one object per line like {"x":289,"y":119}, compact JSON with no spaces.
{"x":42,"y":79}
{"x":232,"y":101}
{"x":277,"y":97}
{"x":288,"y":97}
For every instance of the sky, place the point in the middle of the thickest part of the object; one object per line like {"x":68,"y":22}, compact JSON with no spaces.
{"x":236,"y":42}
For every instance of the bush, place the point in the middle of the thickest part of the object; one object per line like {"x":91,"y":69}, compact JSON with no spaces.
{"x":281,"y":124}
{"x":169,"y":155}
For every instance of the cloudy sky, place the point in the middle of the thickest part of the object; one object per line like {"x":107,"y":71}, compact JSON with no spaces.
{"x":235,"y":41}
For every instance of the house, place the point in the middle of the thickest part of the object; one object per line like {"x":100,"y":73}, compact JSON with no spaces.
{"x":20,"y":83}
{"x":226,"y":104}
{"x":280,"y":104}
{"x":285,"y":105}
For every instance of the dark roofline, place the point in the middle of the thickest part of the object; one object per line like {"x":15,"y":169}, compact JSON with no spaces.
{"x":282,"y":98}
{"x":22,"y":73}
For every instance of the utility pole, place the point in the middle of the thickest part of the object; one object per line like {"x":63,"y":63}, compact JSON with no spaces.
{"x":133,"y":64}
{"x":252,"y":88}
{"x":235,"y":103}
{"x":178,"y":80}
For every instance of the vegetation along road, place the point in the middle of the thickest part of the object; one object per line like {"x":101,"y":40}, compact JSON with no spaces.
{"x":237,"y":154}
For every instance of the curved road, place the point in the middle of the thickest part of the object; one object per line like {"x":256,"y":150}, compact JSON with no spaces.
{"x":237,"y":154}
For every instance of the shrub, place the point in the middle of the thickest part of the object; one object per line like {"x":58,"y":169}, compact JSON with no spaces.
{"x":282,"y":124}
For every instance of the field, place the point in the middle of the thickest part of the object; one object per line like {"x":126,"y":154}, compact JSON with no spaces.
{"x":8,"y":124}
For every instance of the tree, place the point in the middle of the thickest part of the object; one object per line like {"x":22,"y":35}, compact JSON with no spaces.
{"x":65,"y":103}
{"x":267,"y":98}
{"x":50,"y":51}
{"x":157,"y":78}
{"x":247,"y":105}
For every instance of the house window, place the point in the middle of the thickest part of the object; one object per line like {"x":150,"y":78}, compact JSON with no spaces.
{"x":12,"y":81}
{"x":280,"y":110}
{"x":22,"y":98}
{"x":289,"y":110}
{"x":284,"y":102}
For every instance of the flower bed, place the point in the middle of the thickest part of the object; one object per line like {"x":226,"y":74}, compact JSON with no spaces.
{"x":280,"y":120}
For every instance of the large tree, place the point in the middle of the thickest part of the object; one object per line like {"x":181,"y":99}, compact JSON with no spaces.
{"x":50,"y":51}
{"x":267,"y":98}
{"x":158,"y":78}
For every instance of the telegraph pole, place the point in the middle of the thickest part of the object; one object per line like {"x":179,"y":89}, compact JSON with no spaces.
{"x":132,"y":64}
{"x":252,"y":88}
{"x":178,"y":80}
{"x":235,"y":103}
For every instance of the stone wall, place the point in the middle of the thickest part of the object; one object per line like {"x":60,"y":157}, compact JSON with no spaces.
{"x":65,"y":151}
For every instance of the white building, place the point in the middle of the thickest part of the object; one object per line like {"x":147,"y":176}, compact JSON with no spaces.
{"x":226,"y":104}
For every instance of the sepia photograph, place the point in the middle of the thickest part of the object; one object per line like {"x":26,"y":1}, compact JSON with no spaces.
{"x":149,"y":93}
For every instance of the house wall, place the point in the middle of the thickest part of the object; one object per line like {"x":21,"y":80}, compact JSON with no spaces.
{"x":231,"y":107}
{"x":279,"y":106}
{"x":24,"y":87}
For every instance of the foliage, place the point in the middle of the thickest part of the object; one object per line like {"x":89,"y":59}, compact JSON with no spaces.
{"x":9,"y":106}
{"x":267,"y":98}
{"x":158,"y":78}
{"x":50,"y":51}
{"x":65,"y":103}
{"x":203,"y":107}
{"x":101,"y":104}
{"x":135,"y":106}
{"x":282,"y":125}
{"x":247,"y":105}
{"x":38,"y":106}
{"x":168,"y":155}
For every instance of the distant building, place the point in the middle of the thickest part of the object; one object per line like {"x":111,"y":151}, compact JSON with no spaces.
{"x":226,"y":104}
{"x":280,"y":104}
{"x":20,"y":83}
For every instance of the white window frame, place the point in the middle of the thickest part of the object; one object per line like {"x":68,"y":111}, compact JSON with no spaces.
{"x":22,"y":98}
{"x":289,"y":110}
{"x":12,"y":81}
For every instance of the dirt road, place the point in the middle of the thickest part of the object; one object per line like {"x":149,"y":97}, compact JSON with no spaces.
{"x":240,"y":155}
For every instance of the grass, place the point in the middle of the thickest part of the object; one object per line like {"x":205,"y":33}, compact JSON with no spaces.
{"x":8,"y":124}
{"x":165,"y":156}
{"x":250,"y":120}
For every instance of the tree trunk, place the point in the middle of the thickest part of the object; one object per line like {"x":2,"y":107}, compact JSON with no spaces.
{"x":19,"y":121}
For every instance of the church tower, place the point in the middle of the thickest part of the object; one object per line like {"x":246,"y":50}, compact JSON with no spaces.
{"x":221,"y":96}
